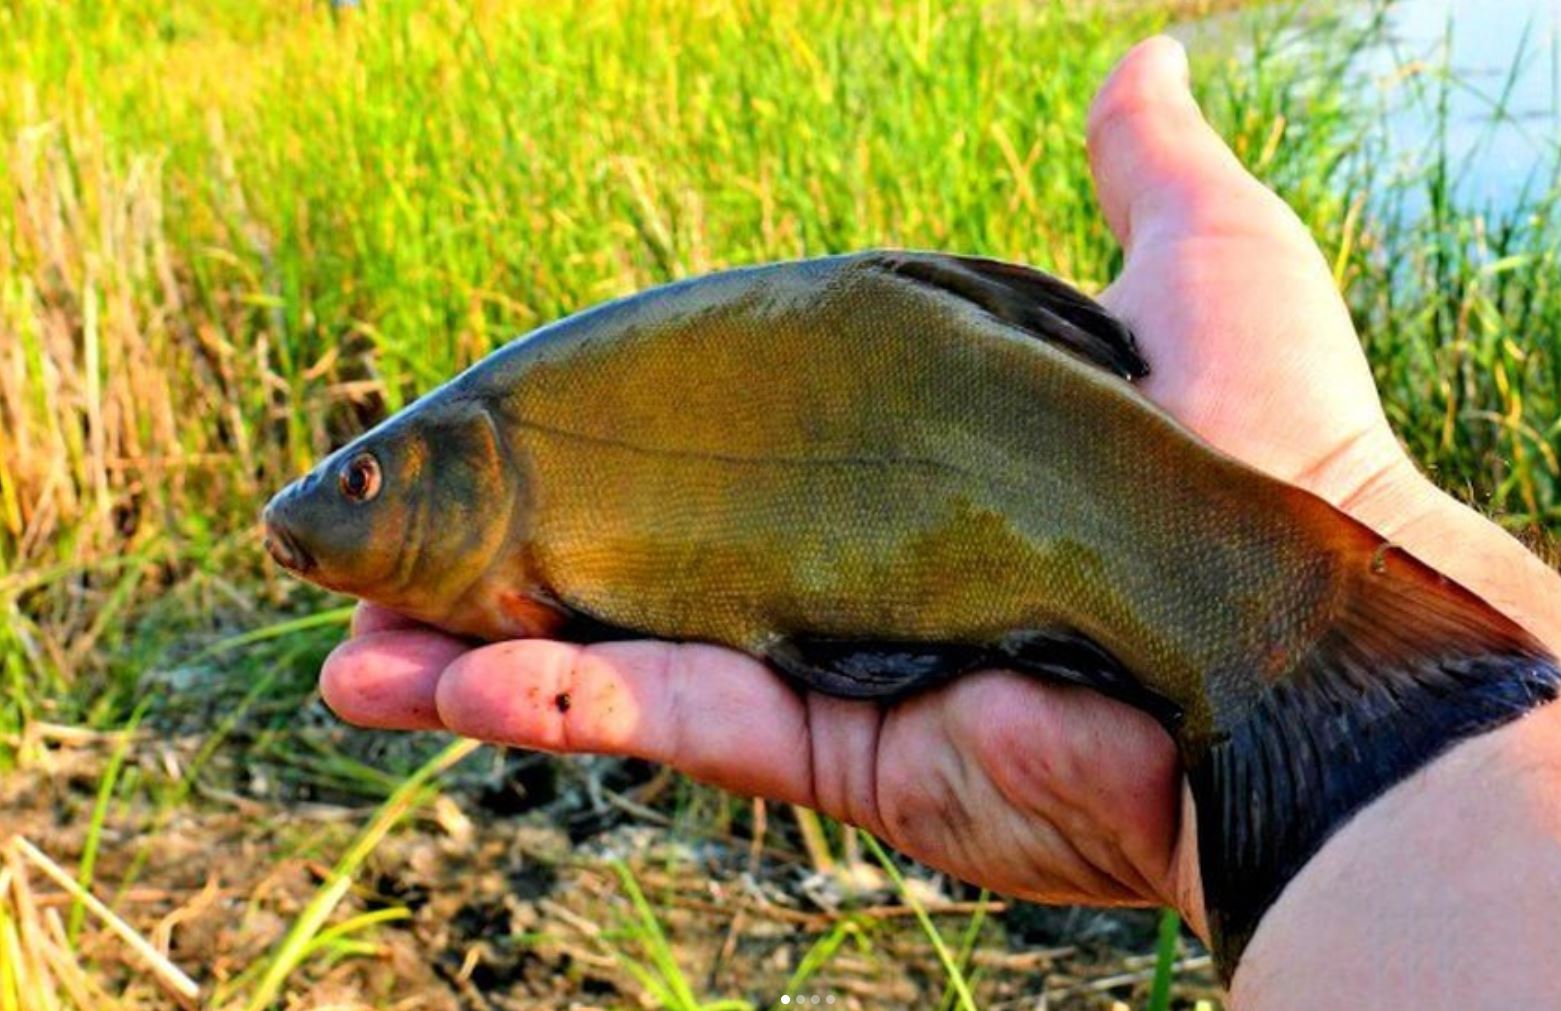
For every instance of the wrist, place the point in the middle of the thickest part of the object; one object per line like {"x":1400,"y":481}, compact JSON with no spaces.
{"x":1385,"y":490}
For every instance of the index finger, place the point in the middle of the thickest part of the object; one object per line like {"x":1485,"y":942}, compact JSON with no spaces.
{"x":718,"y":716}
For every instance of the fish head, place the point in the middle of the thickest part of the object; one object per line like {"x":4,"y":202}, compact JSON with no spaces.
{"x":410,"y":515}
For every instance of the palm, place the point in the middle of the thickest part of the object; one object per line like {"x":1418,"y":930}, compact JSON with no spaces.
{"x":1046,"y":792}
{"x":1249,"y":343}
{"x":1034,"y":789}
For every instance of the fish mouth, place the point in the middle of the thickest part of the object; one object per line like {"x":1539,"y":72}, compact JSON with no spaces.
{"x":285,"y":549}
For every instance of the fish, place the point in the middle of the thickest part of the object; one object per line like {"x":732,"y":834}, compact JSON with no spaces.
{"x":879,"y":471}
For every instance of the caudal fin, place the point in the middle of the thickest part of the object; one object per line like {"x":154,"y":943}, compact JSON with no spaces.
{"x":1412,"y":664}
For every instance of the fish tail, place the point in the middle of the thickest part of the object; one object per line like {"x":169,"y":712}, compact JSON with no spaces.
{"x":1411,"y":664}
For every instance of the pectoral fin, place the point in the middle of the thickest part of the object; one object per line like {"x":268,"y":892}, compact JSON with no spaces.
{"x":864,"y":669}
{"x":871,"y":670}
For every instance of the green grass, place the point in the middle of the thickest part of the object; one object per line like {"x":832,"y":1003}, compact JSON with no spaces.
{"x":655,"y":964}
{"x":234,"y":233}
{"x":308,"y":934}
{"x":951,"y":967}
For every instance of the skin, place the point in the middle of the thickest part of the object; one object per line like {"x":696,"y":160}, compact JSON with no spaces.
{"x":1055,"y":793}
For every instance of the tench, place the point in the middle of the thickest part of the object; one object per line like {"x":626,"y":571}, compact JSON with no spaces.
{"x":878,"y":471}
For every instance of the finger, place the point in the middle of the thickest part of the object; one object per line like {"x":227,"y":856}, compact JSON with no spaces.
{"x":716,"y":715}
{"x":388,"y":679}
{"x":369,"y":618}
{"x":1152,"y":153}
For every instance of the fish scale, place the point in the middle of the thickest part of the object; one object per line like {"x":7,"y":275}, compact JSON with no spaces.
{"x":877,"y":472}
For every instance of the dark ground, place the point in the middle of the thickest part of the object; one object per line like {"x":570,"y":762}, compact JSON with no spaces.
{"x":502,"y":890}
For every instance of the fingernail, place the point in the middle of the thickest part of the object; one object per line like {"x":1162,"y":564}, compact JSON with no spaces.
{"x":1175,"y":56}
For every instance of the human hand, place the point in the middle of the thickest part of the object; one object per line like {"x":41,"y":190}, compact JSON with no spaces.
{"x":1252,"y":348}
{"x":1039,"y":790}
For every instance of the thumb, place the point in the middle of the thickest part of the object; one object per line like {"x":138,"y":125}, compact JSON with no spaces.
{"x":1154,"y":157}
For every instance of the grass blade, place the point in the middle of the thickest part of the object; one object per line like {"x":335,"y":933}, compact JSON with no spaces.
{"x":89,"y":848}
{"x":950,"y":968}
{"x":1165,"y":960}
{"x":165,"y":971}
{"x":295,"y":946}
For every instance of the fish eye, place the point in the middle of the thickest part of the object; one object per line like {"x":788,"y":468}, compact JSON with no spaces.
{"x":360,"y":479}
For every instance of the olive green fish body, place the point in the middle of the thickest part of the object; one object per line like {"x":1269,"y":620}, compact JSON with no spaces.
{"x":881,"y":470}
{"x":833,"y":450}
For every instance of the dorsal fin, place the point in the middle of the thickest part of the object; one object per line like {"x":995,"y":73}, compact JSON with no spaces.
{"x":1036,"y":303}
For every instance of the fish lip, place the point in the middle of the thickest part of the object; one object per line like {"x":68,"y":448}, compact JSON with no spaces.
{"x":284,"y":548}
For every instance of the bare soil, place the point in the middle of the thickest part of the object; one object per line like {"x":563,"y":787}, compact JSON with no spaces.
{"x":508,"y":889}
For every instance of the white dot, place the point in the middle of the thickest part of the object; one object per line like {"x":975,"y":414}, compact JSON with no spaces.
{"x":785,"y":998}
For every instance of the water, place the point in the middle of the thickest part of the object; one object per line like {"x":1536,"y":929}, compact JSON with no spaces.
{"x":1503,"y":114}
{"x":1502,"y":109}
